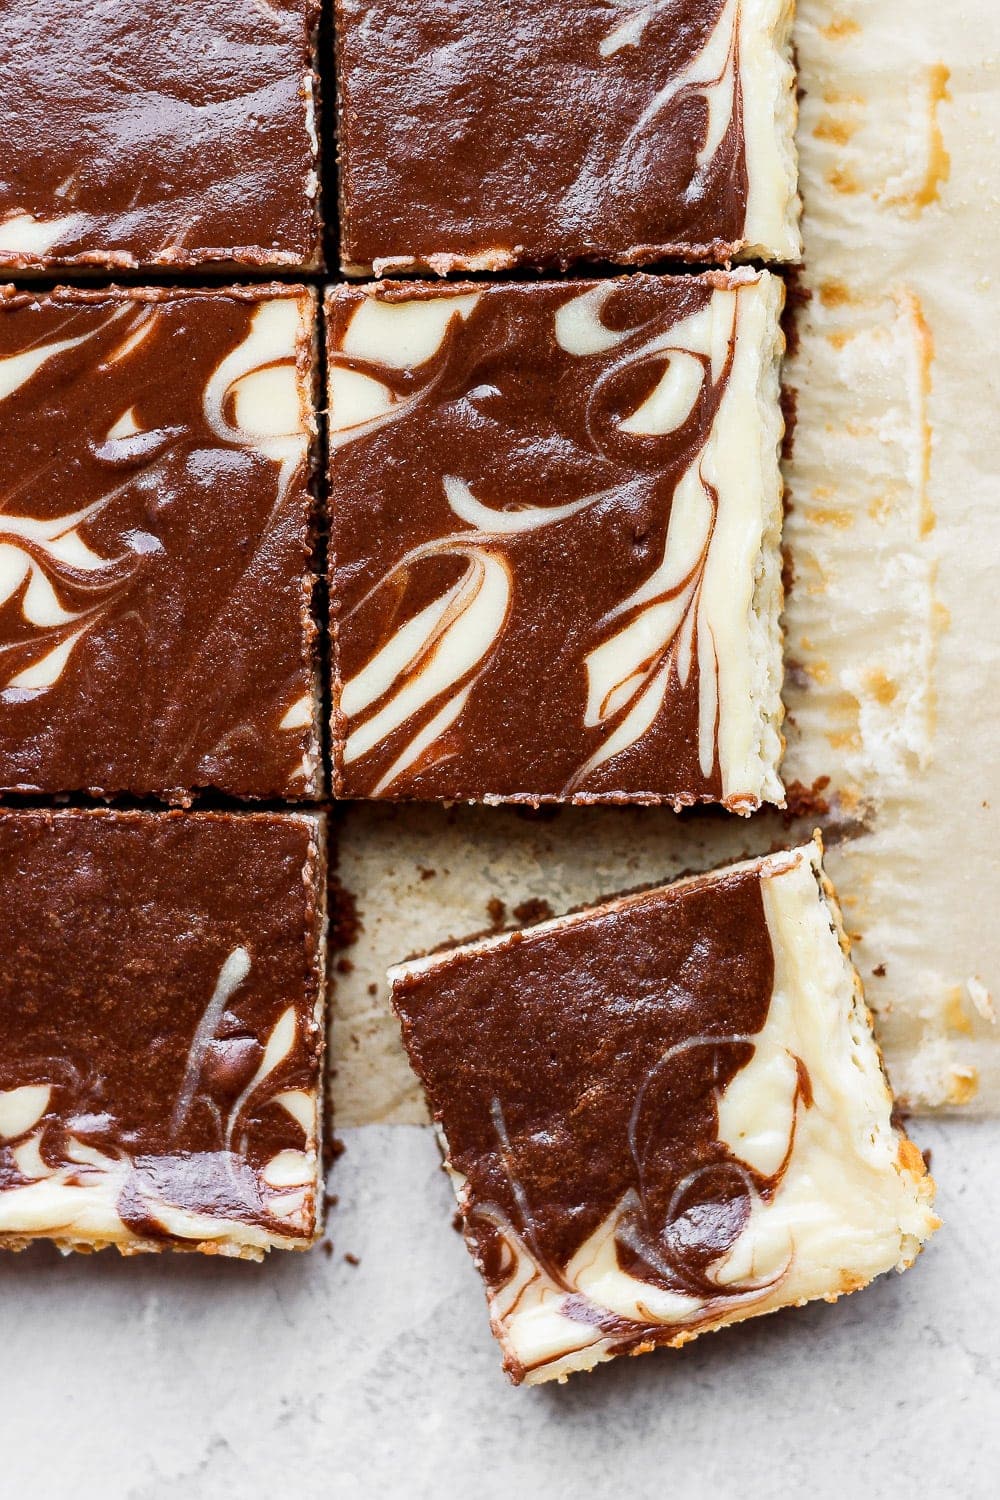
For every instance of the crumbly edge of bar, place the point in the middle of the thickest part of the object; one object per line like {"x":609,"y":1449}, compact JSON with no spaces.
{"x":314,"y":875}
{"x":320,"y":858}
{"x":12,"y":295}
{"x":312,"y":97}
{"x":764,"y":632}
{"x":726,"y":254}
{"x":309,"y":371}
{"x":777,"y":84}
{"x":127,"y":1246}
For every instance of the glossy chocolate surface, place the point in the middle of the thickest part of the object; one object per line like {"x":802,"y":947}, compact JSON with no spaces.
{"x":145,"y":133}
{"x":155,"y":627}
{"x":500,"y":524}
{"x":159,"y":975}
{"x":576,"y":1074}
{"x":538,"y":135}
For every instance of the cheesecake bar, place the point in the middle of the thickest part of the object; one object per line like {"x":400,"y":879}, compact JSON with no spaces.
{"x":142,"y":133}
{"x":478,"y":137}
{"x":161,"y":1030}
{"x":664,"y":1114}
{"x":156,"y":630}
{"x":555,"y":524}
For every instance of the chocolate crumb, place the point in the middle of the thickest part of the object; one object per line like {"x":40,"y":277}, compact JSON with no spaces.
{"x":425,"y":873}
{"x":345,"y":966}
{"x":535,"y":909}
{"x":806,"y":801}
{"x":352,"y":1259}
{"x":879,"y":971}
{"x":373,"y":988}
{"x":496,"y":911}
{"x":333,"y":1147}
{"x":457,"y":1222}
{"x":787,"y":570}
{"x":345,"y":924}
{"x":327,"y":1248}
{"x":797,"y":295}
{"x":790,"y":412}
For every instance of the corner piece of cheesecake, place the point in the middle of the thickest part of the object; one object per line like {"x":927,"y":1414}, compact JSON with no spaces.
{"x":478,"y":138}
{"x":161,"y":1030}
{"x":664,"y":1114}
{"x":144,"y":134}
{"x":555,"y":540}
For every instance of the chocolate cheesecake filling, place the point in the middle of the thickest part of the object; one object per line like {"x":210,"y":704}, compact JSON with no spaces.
{"x":493,"y":135}
{"x":141,"y":133}
{"x":158,"y":992}
{"x":664,"y":1114}
{"x":155,"y":626}
{"x":526,"y":512}
{"x":576,"y":1075}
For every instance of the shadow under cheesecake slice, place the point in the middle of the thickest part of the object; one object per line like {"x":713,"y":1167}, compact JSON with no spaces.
{"x":664,"y":1114}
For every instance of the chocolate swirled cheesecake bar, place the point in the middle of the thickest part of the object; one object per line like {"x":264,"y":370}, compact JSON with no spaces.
{"x":476,"y":137}
{"x":555,"y":537}
{"x":161,"y":1030}
{"x":664,"y":1114}
{"x":143,"y":133}
{"x":156,"y":630}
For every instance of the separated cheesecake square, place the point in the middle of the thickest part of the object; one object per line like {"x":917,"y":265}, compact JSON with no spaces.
{"x":555,"y":540}
{"x":664,"y":1114}
{"x":156,"y":576}
{"x":161,"y":1030}
{"x":143,"y":133}
{"x":477,"y":137}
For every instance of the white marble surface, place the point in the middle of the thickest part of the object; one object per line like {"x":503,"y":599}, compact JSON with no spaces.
{"x":186,"y":1379}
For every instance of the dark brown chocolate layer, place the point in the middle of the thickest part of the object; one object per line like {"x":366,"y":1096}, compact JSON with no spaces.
{"x":171,"y":564}
{"x":160,"y":134}
{"x":577,"y":1071}
{"x":524,"y":424}
{"x":117,"y":928}
{"x":471,"y":130}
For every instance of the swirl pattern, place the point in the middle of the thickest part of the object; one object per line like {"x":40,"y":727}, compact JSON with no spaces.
{"x":663,"y":1114}
{"x":619,"y":130}
{"x":159,"y":1058}
{"x":544,"y":561}
{"x":154,"y":532}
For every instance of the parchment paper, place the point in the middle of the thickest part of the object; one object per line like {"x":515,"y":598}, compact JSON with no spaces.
{"x":893,"y":530}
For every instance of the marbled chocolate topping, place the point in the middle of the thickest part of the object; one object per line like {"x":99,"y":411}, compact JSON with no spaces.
{"x":155,"y":629}
{"x":138,"y":133}
{"x":158,"y":983}
{"x":476,"y":135}
{"x":576,"y":1074}
{"x":510,"y":620}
